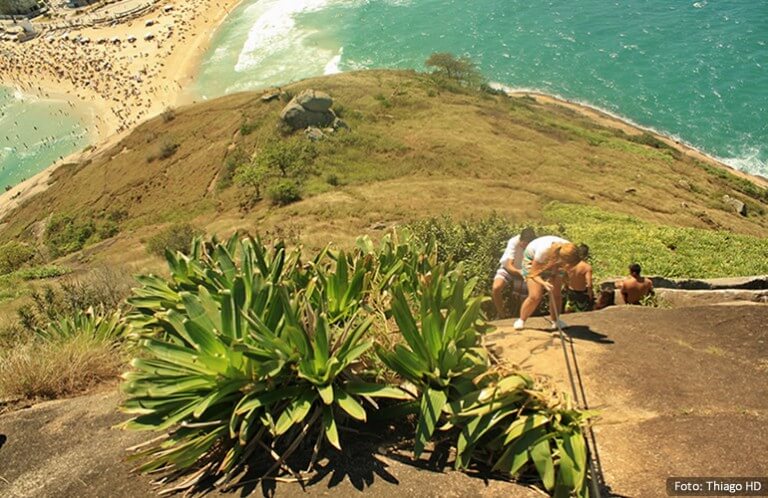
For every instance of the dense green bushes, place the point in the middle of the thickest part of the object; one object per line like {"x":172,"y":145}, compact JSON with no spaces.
{"x":477,"y":243}
{"x":65,"y":233}
{"x":615,"y":241}
{"x":248,"y":350}
{"x":13,"y":255}
{"x":280,"y":168}
{"x":175,"y":237}
{"x":284,"y":192}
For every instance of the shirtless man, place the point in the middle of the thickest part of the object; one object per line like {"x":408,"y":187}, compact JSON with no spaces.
{"x":635,"y":287}
{"x":509,"y":271}
{"x":579,"y":293}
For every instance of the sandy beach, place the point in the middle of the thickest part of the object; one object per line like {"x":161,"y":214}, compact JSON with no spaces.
{"x":126,"y":73}
{"x":119,"y":83}
{"x":127,"y":81}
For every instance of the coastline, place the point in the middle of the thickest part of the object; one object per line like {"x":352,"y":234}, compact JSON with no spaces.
{"x":610,"y":120}
{"x":179,"y":65}
{"x":38,"y":183}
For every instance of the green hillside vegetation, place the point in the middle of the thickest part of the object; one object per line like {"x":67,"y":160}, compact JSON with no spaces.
{"x":415,"y":149}
{"x":244,"y":345}
{"x":418,"y":147}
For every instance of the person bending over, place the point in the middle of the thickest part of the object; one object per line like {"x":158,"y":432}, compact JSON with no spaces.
{"x":544,"y":261}
{"x":579,"y":293}
{"x":635,"y":287}
{"x":510,"y":271}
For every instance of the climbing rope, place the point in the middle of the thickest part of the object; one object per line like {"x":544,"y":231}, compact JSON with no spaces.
{"x":595,"y":467}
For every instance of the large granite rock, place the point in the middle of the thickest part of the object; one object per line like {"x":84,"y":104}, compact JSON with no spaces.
{"x":315,"y":101}
{"x":735,"y":204}
{"x":309,"y":109}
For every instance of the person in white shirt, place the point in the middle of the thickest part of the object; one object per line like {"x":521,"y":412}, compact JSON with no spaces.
{"x":544,"y":262}
{"x":510,"y":271}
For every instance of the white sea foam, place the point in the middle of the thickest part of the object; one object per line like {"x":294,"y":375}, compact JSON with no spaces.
{"x":275,"y":31}
{"x":334,"y":65}
{"x":749,"y":161}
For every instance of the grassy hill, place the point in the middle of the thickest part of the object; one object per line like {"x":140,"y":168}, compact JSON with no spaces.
{"x":416,"y":148}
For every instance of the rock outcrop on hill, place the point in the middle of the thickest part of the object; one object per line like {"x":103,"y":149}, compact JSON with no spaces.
{"x":735,"y":204}
{"x":309,"y":108}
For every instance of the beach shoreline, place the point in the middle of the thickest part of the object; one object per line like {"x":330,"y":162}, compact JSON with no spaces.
{"x":38,"y":183}
{"x":611,"y":120}
{"x":124,"y":82}
{"x":110,"y":114}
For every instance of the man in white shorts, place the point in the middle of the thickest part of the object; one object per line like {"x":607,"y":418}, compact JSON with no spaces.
{"x":510,"y":270}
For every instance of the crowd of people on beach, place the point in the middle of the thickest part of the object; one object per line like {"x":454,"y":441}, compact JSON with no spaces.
{"x":118,"y":70}
{"x":535,"y":266}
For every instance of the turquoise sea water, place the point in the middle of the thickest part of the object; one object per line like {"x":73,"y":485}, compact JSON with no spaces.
{"x":696,"y":70}
{"x":34,"y":133}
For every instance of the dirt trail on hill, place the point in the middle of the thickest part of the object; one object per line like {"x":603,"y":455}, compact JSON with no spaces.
{"x":682,"y":392}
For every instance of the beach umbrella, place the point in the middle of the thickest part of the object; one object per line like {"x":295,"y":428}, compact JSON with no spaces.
{"x":131,"y":38}
{"x":149,"y":36}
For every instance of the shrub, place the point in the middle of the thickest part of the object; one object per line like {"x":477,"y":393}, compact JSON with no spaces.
{"x":65,"y":234}
{"x":284,"y":192}
{"x":247,"y":128}
{"x":56,"y":369}
{"x":107,"y":229}
{"x":383,"y":100}
{"x":333,"y":180}
{"x":254,"y":176}
{"x":167,"y":149}
{"x":477,"y":243}
{"x":459,"y":69}
{"x":176,"y":237}
{"x":101,"y":289}
{"x":247,"y":351}
{"x":13,"y":255}
{"x":232,"y":163}
{"x":42,"y":272}
{"x":168,"y":115}
{"x":289,"y":158}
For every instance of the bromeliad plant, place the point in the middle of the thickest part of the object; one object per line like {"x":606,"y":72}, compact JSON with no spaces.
{"x":239,"y":358}
{"x":98,"y":325}
{"x":442,"y":351}
{"x":500,"y":419}
{"x":510,"y":423}
{"x":247,"y":351}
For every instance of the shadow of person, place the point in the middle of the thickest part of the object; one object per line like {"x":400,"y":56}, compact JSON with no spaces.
{"x":584,"y":333}
{"x":3,"y":439}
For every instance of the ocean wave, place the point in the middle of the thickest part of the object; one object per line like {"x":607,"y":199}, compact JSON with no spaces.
{"x":751,"y":160}
{"x":274,"y":30}
{"x":334,"y":65}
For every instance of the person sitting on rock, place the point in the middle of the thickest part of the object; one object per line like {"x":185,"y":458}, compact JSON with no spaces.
{"x":579,"y":294}
{"x":635,"y":287}
{"x":510,"y":271}
{"x":544,"y":261}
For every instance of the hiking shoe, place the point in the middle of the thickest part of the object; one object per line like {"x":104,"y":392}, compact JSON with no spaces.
{"x":557,"y":324}
{"x":519,"y":324}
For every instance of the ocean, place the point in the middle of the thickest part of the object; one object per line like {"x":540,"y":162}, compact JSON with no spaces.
{"x":694,"y":70}
{"x":35,"y":132}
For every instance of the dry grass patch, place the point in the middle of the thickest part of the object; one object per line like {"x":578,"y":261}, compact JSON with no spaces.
{"x":46,"y":370}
